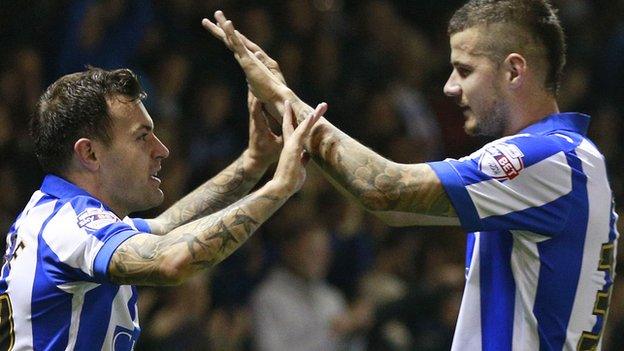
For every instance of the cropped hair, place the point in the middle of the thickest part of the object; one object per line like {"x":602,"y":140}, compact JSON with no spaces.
{"x":74,"y":107}
{"x":528,"y":27}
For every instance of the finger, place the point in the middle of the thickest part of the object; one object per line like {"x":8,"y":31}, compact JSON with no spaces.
{"x":220,"y":17}
{"x":305,"y":127}
{"x":233,"y":39}
{"x":257,"y":115}
{"x":250,"y":44}
{"x":274,"y":125}
{"x":254,"y":105}
{"x":287,"y":122}
{"x":237,"y":41}
{"x":213,"y":29}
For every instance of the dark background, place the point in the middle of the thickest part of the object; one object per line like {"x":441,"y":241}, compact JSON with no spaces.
{"x":380,"y":65}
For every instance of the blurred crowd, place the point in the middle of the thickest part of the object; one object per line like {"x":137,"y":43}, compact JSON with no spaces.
{"x":321,"y":274}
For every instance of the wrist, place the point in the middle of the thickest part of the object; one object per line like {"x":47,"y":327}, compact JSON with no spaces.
{"x":280,"y":188}
{"x":253,"y":163}
{"x":282,"y":95}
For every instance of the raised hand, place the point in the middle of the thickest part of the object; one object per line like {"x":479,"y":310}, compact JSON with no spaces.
{"x":263,"y":75}
{"x":264,"y":145}
{"x":290,"y":171}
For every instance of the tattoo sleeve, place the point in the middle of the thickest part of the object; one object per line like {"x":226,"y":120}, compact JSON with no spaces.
{"x":147,"y":259}
{"x":225,"y":188}
{"x":378,"y":184}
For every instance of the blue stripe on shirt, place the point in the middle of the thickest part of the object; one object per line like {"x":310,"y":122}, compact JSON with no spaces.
{"x":95,"y":316}
{"x":100,"y":264}
{"x":561,"y":258}
{"x":141,"y":225}
{"x":456,"y":191}
{"x":548,"y":219}
{"x":132,"y":302}
{"x":497,"y":290}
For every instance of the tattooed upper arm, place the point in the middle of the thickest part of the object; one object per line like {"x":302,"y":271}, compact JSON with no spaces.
{"x":140,"y":260}
{"x":409,"y":188}
{"x":421,"y":199}
{"x":424,"y":191}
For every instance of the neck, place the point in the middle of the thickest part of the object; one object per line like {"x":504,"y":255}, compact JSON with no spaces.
{"x":530,"y":112}
{"x":89,"y":183}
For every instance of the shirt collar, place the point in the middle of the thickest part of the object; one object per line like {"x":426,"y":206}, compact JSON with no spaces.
{"x":571,"y":121}
{"x":61,"y":188}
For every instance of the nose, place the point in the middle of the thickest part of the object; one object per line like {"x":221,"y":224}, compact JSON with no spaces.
{"x":452,"y":87}
{"x":160,"y":150}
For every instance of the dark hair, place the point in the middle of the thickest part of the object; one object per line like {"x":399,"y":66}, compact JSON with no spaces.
{"x":529,"y":27}
{"x":75,"y":107}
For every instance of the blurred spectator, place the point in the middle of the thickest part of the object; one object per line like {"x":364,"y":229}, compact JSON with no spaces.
{"x":179,"y":321}
{"x":294,"y":308}
{"x":212,"y":139}
{"x":103,"y":33}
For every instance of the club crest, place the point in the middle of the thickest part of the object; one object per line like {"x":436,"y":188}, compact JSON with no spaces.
{"x":501,"y":161}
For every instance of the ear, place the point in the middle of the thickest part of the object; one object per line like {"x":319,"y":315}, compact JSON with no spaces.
{"x":516,"y":67}
{"x":84,"y":151}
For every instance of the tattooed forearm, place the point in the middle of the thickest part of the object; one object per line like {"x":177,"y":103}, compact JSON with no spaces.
{"x":377,"y":183}
{"x":302,"y":110}
{"x":158,"y":260}
{"x":231,"y":184}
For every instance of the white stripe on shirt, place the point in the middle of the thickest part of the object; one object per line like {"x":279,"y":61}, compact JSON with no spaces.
{"x":529,"y":189}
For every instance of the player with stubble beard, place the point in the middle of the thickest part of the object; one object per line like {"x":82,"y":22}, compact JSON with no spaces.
{"x":74,"y":257}
{"x":536,"y":203}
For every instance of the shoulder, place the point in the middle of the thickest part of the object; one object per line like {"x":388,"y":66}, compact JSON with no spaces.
{"x":506,"y":157}
{"x":84,"y":214}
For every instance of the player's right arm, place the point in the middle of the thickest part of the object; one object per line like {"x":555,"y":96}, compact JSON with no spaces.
{"x":147,"y":259}
{"x":399,"y":194}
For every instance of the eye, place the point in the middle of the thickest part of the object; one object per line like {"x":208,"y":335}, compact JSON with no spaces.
{"x":143,"y":137}
{"x":464,"y":71}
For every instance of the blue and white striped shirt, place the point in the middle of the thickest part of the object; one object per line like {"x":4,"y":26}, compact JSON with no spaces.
{"x":55,"y":293}
{"x":540,"y":258}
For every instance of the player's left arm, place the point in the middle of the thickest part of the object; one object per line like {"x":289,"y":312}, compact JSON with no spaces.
{"x":231,"y":184}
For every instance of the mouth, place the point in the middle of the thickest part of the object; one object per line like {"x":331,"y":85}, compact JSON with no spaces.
{"x":465,"y":110}
{"x":154,"y":176}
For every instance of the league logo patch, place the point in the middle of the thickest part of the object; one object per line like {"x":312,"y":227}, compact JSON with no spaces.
{"x":501,"y":161}
{"x":95,"y":218}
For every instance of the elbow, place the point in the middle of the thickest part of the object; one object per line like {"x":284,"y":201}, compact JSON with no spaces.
{"x":174,"y":270}
{"x":171,"y":277}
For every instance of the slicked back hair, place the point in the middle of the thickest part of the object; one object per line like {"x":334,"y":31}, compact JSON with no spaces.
{"x":528,"y":27}
{"x":74,"y":107}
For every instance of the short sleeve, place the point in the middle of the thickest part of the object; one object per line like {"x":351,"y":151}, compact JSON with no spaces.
{"x":81,"y":238}
{"x":515,"y":183}
{"x":139,"y":223}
